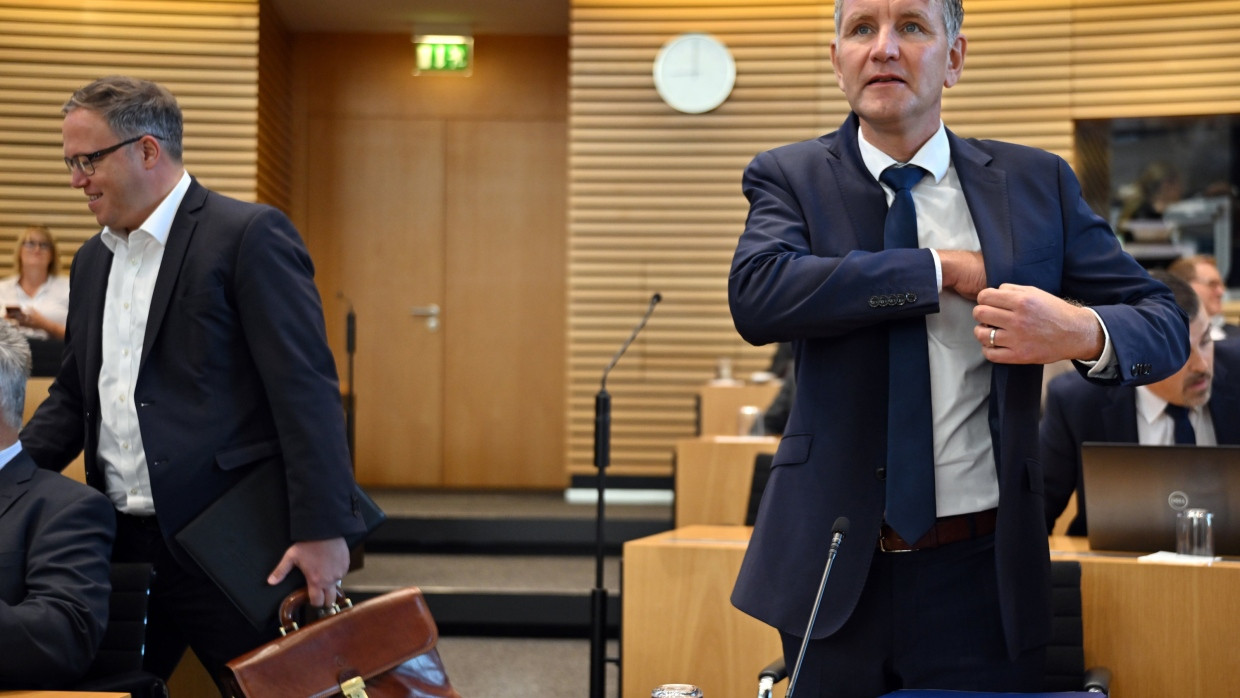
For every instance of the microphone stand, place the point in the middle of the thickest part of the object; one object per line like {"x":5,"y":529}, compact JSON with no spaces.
{"x":350,"y":399}
{"x":602,"y":458}
{"x":838,"y":529}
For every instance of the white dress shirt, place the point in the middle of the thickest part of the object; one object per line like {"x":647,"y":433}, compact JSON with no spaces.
{"x":965,"y":477}
{"x":136,"y":258}
{"x":1156,"y":428}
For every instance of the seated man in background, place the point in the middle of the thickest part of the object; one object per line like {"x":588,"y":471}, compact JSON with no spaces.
{"x":1204,"y":395}
{"x":55,"y":548}
{"x":1201,"y":272}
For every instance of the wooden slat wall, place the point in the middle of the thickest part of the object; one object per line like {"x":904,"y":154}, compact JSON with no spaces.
{"x":273,"y":184}
{"x":205,"y":52}
{"x":655,"y":204}
{"x":654,"y":195}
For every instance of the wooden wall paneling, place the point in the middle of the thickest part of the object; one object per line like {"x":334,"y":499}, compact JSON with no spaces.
{"x":275,"y":105}
{"x":655,"y":205}
{"x":205,"y":52}
{"x":504,"y":304}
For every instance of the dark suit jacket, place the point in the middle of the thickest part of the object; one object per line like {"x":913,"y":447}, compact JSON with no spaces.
{"x":235,"y":369}
{"x":1078,"y":411}
{"x":805,"y":270}
{"x":55,"y":546}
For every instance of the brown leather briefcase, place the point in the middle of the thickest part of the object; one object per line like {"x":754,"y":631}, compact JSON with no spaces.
{"x":381,"y":648}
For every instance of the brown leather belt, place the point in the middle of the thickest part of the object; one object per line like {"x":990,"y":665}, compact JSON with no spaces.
{"x":946,"y":530}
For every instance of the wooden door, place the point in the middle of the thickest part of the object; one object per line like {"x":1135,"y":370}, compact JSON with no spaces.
{"x":468,"y":217}
{"x":504,"y":328}
{"x":376,"y":202}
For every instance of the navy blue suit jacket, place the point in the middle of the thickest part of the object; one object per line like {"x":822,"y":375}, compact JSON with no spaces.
{"x":235,"y":369}
{"x":805,"y":269}
{"x":1078,"y":411}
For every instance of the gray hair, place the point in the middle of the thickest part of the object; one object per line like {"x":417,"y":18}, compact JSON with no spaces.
{"x":14,"y":370}
{"x":953,"y":17}
{"x":133,"y":107}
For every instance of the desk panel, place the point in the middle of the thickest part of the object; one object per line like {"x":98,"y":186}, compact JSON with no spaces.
{"x":713,"y":477}
{"x":1162,"y":629}
{"x":719,"y":405}
{"x":60,"y":694}
{"x":679,"y":626}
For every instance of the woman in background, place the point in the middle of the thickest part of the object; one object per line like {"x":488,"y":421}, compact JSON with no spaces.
{"x":37,"y":298}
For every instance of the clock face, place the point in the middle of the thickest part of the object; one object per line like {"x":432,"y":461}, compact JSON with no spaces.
{"x":694,"y":73}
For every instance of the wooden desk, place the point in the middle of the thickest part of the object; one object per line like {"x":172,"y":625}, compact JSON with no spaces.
{"x":1163,"y":630}
{"x":714,"y":475}
{"x":36,"y":393}
{"x":719,"y":405}
{"x":678,"y":626}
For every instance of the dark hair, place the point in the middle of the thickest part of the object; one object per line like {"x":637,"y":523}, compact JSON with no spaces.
{"x":1186,"y":267}
{"x":1185,"y":296}
{"x":133,"y":107}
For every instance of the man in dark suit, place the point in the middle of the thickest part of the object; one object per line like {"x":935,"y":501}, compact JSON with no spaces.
{"x":55,"y":541}
{"x":195,"y":349}
{"x":1002,"y":237}
{"x":1207,"y":387}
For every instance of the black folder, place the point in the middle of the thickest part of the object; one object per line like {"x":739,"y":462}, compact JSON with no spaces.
{"x":240,"y":538}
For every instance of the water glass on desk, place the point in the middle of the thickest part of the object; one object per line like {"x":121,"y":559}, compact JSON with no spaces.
{"x":1194,"y":532}
{"x":676,"y":690}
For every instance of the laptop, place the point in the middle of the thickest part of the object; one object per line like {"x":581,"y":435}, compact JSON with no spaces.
{"x":1133,"y":494}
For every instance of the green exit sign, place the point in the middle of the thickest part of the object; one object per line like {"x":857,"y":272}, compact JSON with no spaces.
{"x":443,"y":55}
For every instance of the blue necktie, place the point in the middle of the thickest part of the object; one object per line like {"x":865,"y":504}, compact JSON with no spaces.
{"x":910,"y":429}
{"x":1184,"y":432}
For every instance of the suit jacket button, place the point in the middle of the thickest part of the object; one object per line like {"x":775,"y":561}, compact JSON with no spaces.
{"x":873,"y":301}
{"x":881,"y":473}
{"x":910,"y":297}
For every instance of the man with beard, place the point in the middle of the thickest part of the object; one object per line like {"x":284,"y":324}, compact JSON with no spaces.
{"x":1204,"y":397}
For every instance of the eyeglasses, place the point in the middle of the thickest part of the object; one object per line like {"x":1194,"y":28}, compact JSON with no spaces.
{"x":86,"y":163}
{"x":37,"y":245}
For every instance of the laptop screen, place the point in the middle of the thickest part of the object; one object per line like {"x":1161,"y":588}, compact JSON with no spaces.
{"x":1133,"y":493}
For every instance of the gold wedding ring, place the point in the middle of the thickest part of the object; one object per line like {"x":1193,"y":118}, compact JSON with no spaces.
{"x":993,"y":330}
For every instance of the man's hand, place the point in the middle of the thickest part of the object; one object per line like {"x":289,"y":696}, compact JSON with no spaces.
{"x":323,"y":562}
{"x":1030,"y":326}
{"x":963,"y":272}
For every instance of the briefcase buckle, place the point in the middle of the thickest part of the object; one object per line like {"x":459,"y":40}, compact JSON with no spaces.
{"x":354,"y":688}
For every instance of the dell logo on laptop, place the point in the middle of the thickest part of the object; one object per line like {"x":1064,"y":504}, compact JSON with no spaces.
{"x":1177,"y":500}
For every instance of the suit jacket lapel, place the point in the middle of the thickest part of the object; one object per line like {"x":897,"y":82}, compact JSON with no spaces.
{"x":14,"y":480}
{"x":1225,"y":406}
{"x":867,"y":204}
{"x":179,"y":236}
{"x":93,"y":273}
{"x":985,"y":190}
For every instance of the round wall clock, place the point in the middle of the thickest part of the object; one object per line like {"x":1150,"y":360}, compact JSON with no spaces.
{"x":694,"y":73}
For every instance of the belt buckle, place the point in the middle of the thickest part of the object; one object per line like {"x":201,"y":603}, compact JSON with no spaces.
{"x":882,"y":546}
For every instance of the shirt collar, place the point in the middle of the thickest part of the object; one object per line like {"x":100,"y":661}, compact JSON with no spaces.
{"x":934,"y":157}
{"x":1150,"y":407}
{"x":159,"y":223}
{"x":10,"y":453}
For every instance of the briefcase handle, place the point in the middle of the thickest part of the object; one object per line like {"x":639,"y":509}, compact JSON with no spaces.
{"x":298,"y":599}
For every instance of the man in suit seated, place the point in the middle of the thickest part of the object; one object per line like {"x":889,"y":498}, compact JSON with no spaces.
{"x":1206,"y":391}
{"x":55,"y":544}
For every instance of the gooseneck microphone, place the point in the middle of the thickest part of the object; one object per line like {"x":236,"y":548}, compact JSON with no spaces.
{"x":838,"y":529}
{"x":602,"y":457}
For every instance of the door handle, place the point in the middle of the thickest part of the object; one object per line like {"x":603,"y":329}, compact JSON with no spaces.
{"x":430,"y":312}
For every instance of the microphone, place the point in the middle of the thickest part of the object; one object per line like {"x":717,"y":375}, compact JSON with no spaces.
{"x":602,"y":401}
{"x":838,"y":529}
{"x":350,"y":327}
{"x":654,"y":300}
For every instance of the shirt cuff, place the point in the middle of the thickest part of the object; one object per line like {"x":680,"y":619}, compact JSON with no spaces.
{"x":1104,"y":366}
{"x":938,"y":269}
